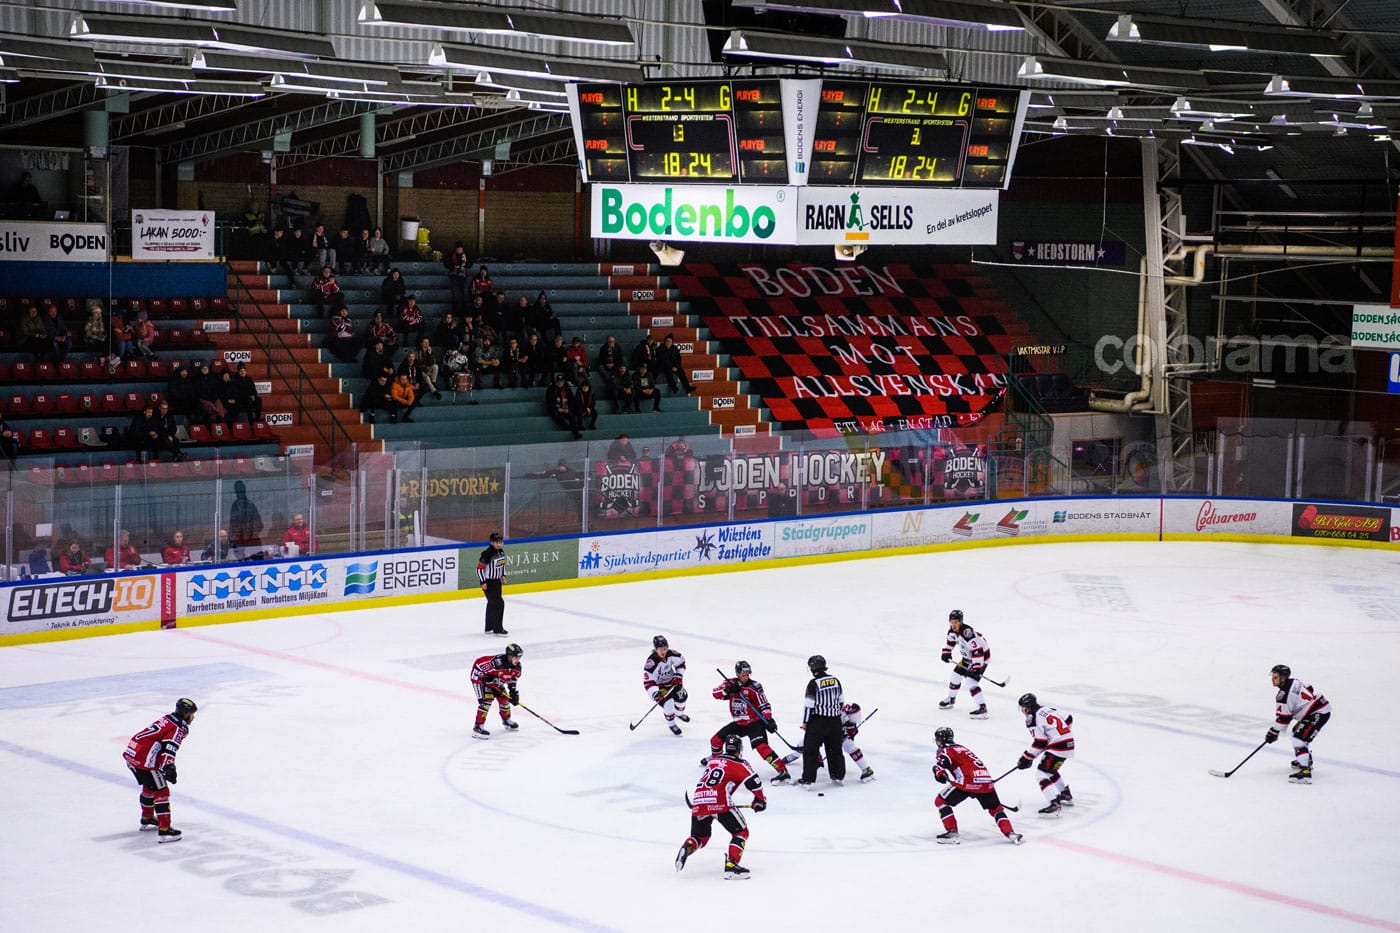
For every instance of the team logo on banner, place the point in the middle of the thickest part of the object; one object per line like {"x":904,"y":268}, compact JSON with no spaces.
{"x":621,"y":485}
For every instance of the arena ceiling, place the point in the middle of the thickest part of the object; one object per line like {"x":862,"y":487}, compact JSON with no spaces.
{"x":1302,"y":89}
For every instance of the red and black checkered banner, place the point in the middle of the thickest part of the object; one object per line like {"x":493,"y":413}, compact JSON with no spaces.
{"x":855,"y":349}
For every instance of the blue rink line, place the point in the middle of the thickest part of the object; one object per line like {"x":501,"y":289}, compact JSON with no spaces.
{"x":184,"y":681}
{"x":345,"y":850}
{"x":911,"y":678}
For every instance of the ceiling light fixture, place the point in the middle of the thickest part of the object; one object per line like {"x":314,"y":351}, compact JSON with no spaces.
{"x":1166,"y":30}
{"x":476,"y":59}
{"x":990,"y":15}
{"x":486,"y":20}
{"x":790,"y":48}
{"x":94,"y":27}
{"x":202,"y":6}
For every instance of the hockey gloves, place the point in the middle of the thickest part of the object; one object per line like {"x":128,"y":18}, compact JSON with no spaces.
{"x":759,"y":805}
{"x":940,"y":775}
{"x":1271,"y":736}
{"x":947,"y":656}
{"x":731,"y":687}
{"x":169,"y":772}
{"x":514,"y":694}
{"x":771,"y":725}
{"x":1025,"y":762}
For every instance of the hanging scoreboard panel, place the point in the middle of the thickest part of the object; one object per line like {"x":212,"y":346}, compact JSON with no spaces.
{"x":893,"y":134}
{"x":722,"y":132}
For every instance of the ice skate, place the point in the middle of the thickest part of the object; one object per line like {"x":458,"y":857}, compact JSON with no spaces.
{"x":733,"y":871}
{"x":683,"y":717}
{"x":803,"y":783}
{"x":867,"y":775}
{"x":1014,"y":838}
{"x":149,"y":822}
{"x":838,"y":781}
{"x":950,"y":838}
{"x":1300,"y":775}
{"x":947,"y":703}
{"x":1050,"y":810}
{"x":979,"y":713}
{"x":675,"y":729}
{"x":683,"y":854}
{"x":1065,"y":799}
{"x":169,"y":835}
{"x":480,"y":733}
{"x":510,"y":724}
{"x":782,"y":778}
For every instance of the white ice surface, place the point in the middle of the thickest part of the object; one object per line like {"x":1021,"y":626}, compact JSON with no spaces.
{"x":330,"y":781}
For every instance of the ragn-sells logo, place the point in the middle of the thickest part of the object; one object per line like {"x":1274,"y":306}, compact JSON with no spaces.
{"x":963,"y":526}
{"x":1010,"y":523}
{"x":852,"y":219}
{"x":86,"y":598}
{"x":361,"y":578}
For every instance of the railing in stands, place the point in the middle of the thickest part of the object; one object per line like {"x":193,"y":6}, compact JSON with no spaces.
{"x":313,"y":408}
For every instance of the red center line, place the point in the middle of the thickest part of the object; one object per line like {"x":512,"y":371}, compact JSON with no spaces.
{"x":1233,"y":886}
{"x":334,"y":668}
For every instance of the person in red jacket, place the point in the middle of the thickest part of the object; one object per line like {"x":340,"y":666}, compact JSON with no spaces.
{"x":130,"y":557}
{"x":176,"y":552}
{"x":298,"y":535}
{"x":150,"y":756}
{"x":967,"y":777}
{"x":73,"y":561}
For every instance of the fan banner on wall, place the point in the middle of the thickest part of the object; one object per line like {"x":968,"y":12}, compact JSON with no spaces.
{"x":858,"y":349}
{"x":161,"y":234}
{"x":1070,"y":252}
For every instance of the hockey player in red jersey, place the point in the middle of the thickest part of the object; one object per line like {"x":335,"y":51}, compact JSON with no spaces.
{"x":1053,"y":742}
{"x":966,"y":776}
{"x":494,"y":678}
{"x":1302,"y":702}
{"x":150,"y":755}
{"x":752,"y":717}
{"x":713,"y":799}
{"x":975,"y":655}
{"x":663,"y":676}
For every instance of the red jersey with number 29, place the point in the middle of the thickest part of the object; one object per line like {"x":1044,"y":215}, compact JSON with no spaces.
{"x":714,"y":791}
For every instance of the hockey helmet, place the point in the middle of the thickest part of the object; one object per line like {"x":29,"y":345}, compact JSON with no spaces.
{"x":513,"y":650}
{"x":742,"y":667}
{"x":496,"y":536}
{"x":733,"y":745}
{"x":1028,"y":703}
{"x":943,"y":737}
{"x":1283,"y":671}
{"x":185,"y":709}
{"x":816,"y":664}
{"x":955,"y":616}
{"x":660,"y":642}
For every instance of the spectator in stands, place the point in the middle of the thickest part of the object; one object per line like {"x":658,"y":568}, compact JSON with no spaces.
{"x":26,"y":195}
{"x":412,"y":369}
{"x":609,"y":355}
{"x":481,"y":286}
{"x":378,"y":361}
{"x":377,"y":397}
{"x":449,"y":332}
{"x":671,"y":368}
{"x":576,"y":362}
{"x":143,"y":431}
{"x":622,"y":449}
{"x":556,"y":355}
{"x":382,"y":330}
{"x":275,"y":253}
{"x":428,"y":369}
{"x":514,"y":364}
{"x":542,"y":320}
{"x":229,"y":397}
{"x":299,"y":253}
{"x":143,"y":337}
{"x":217,"y":548}
{"x":480,"y":327}
{"x":322,"y":248}
{"x":58,"y":333}
{"x":95,"y":327}
{"x":392,"y":291}
{"x":298,"y":540}
{"x":377,"y":253}
{"x":74,"y":561}
{"x":325,"y":292}
{"x":459,"y":268}
{"x":536,"y":352}
{"x":624,"y":391}
{"x":585,"y":409}
{"x":781,"y":501}
{"x":206,"y":388}
{"x":176,"y":551}
{"x":647,"y":388}
{"x":181,"y":393}
{"x":245,"y":522}
{"x":487,"y":362}
{"x":403,"y":394}
{"x":9,"y":440}
{"x":514,"y":317}
{"x":121,"y":342}
{"x":341,"y":341}
{"x":679,"y":451}
{"x":166,"y":437}
{"x":33,"y":335}
{"x":411,"y":321}
{"x":348,"y":251}
{"x":646,"y":351}
{"x":126,"y":552}
{"x":249,"y":402}
{"x":558,"y":403}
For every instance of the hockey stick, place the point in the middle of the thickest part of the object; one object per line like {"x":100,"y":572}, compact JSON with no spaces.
{"x":546,"y":721}
{"x":967,"y":673}
{"x":749,"y":704}
{"x":789,"y":759}
{"x":632,"y":726}
{"x":1237,"y":767}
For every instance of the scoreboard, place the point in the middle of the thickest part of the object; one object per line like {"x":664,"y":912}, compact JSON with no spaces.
{"x":820,"y":132}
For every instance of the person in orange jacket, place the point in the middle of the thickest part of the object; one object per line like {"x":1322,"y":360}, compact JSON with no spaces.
{"x":402,"y":392}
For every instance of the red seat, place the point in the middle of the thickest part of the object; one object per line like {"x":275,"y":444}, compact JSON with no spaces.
{"x":87,"y":401}
{"x":135,"y":306}
{"x":179,"y":469}
{"x":199,"y":434}
{"x":91,"y":371}
{"x":156,"y":306}
{"x":23,"y":371}
{"x":242,"y":431}
{"x":262,"y":432}
{"x":82,"y":473}
{"x":176,"y":337}
{"x":218,"y":305}
{"x":65,"y":439}
{"x":155,"y":399}
{"x":196,"y":305}
{"x":43,"y":404}
{"x":45,"y":371}
{"x":155,"y":469}
{"x":133,"y":471}
{"x":158,"y":369}
{"x":134,"y":401}
{"x":4,"y":368}
{"x":41,"y":439}
{"x":17,"y":405}
{"x":178,"y":307}
{"x":68,"y":371}
{"x":6,"y":338}
{"x":111,"y":402}
{"x":220,"y":432}
{"x":108,"y":472}
{"x":134,"y":369}
{"x":198,"y":338}
{"x":66,"y":403}
{"x":240,"y":466}
{"x":70,"y":306}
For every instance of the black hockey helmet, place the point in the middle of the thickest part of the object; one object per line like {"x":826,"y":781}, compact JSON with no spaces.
{"x":660,"y":642}
{"x":1028,"y":703}
{"x":185,"y":708}
{"x":943,"y":737}
{"x":496,"y":536}
{"x":1283,"y":670}
{"x":513,"y":650}
{"x":733,"y":745}
{"x":955,"y":615}
{"x":742,"y":667}
{"x":816,"y":664}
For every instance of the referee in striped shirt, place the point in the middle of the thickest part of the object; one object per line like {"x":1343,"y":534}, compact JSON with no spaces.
{"x":491,"y":570}
{"x":821,"y":720}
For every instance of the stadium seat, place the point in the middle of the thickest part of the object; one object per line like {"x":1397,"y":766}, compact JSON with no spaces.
{"x":133,"y":471}
{"x":220,"y":433}
{"x":155,"y":398}
{"x":199,"y":434}
{"x":82,"y":473}
{"x":6,"y":338}
{"x":22,"y":371}
{"x":91,"y":371}
{"x":68,"y":371}
{"x":197,"y":305}
{"x":177,"y":337}
{"x":65,"y":403}
{"x":111,"y":401}
{"x":158,"y":369}
{"x":108,"y":472}
{"x":262,"y":432}
{"x":179,"y":469}
{"x":240,"y":466}
{"x":65,"y":439}
{"x":134,"y":401}
{"x":5,"y":372}
{"x":112,"y":436}
{"x":135,"y":305}
{"x":218,"y":305}
{"x":45,"y":371}
{"x":90,"y":437}
{"x":156,"y":307}
{"x":87,"y":402}
{"x":198,"y":338}
{"x":178,"y":307}
{"x":17,"y":405}
{"x":69,"y":306}
{"x":43,"y":403}
{"x":134,"y":369}
{"x":40,"y":439}
{"x":242,"y":431}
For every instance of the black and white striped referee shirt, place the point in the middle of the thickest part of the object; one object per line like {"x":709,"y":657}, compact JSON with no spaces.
{"x":823,"y":697}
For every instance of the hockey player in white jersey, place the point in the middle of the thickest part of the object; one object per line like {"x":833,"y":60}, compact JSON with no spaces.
{"x":1303,"y":705}
{"x":975,"y":655}
{"x":1052,"y":741}
{"x":850,"y":727}
{"x":663,"y":676}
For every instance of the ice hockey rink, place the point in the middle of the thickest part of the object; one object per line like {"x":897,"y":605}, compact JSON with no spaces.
{"x":330,"y":781}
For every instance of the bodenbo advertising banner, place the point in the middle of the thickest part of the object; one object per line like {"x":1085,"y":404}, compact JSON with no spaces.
{"x":82,"y":601}
{"x":695,"y":213}
{"x":161,"y":234}
{"x":30,"y":241}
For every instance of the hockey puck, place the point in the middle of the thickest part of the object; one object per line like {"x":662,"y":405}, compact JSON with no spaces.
{"x":820,"y":794}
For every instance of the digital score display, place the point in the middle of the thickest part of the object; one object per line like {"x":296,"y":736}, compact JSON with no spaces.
{"x":722,"y":132}
{"x":916,"y":134}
